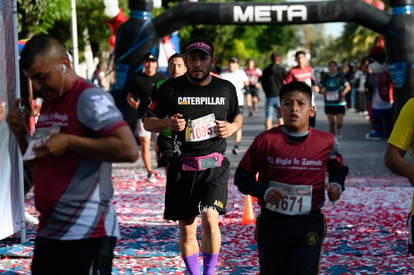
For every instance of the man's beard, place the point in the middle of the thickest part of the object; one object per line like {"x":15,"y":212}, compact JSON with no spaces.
{"x":198,"y":79}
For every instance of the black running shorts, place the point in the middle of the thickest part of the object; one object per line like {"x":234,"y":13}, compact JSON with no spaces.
{"x":189,"y":192}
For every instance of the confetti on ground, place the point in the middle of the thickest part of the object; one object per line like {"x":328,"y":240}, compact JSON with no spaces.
{"x":366,"y":231}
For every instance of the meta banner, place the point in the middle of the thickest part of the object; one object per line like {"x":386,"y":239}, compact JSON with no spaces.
{"x":269,"y":13}
{"x":254,"y":13}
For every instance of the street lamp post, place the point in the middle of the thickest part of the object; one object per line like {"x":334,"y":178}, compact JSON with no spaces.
{"x":75,"y":54}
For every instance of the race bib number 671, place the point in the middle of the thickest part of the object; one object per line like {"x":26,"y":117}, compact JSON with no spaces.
{"x":297,"y":200}
{"x":201,"y":128}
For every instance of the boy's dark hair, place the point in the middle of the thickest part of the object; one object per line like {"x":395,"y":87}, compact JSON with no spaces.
{"x":333,"y":62}
{"x":296,"y":86}
{"x":300,"y":52}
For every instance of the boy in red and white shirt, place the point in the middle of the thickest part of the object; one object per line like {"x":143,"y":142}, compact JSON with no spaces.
{"x":292,"y":161}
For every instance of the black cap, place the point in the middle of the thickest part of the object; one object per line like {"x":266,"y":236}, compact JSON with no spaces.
{"x":274,"y":57}
{"x":150,"y":56}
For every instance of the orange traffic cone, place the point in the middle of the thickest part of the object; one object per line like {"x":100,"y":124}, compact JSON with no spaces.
{"x":248,"y":212}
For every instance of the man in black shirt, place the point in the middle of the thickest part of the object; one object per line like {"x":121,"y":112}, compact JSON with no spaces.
{"x":202,"y":111}
{"x":138,"y":97}
{"x":272,"y":81}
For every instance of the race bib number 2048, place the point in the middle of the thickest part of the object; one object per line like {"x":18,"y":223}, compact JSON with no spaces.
{"x":297,"y":200}
{"x":201,"y":128}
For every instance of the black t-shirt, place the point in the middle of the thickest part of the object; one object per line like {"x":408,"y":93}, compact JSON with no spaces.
{"x":272,"y":79}
{"x":142,"y":88}
{"x":178,"y":95}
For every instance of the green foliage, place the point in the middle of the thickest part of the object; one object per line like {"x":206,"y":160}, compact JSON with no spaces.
{"x":354,"y":44}
{"x":39,"y":16}
{"x":98,"y":30}
{"x":54,"y":17}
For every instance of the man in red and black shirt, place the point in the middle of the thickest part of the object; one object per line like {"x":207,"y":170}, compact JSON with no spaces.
{"x":303,"y":72}
{"x":78,"y":134}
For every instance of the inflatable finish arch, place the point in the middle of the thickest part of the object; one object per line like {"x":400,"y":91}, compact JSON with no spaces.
{"x":141,"y":34}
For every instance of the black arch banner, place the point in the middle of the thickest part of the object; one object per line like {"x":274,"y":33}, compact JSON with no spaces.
{"x":397,"y":29}
{"x":253,"y":13}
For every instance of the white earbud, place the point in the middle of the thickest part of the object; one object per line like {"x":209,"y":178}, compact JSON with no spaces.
{"x":63,"y":79}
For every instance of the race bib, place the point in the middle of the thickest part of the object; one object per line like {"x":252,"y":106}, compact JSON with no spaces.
{"x":332,"y":96}
{"x":200,"y":129}
{"x":40,"y":136}
{"x":297,"y":200}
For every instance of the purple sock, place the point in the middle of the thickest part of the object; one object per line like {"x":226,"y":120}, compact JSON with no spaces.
{"x":209,"y":262}
{"x":191,"y":262}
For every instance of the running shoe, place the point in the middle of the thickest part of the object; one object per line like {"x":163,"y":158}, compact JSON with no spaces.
{"x":151,"y":177}
{"x":373,"y":135}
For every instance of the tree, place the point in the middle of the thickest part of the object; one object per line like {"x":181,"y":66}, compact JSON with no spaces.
{"x":54,"y":18}
{"x":39,"y":16}
{"x":354,"y":44}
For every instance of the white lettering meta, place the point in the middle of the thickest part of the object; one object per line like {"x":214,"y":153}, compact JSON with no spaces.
{"x":264,"y":13}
